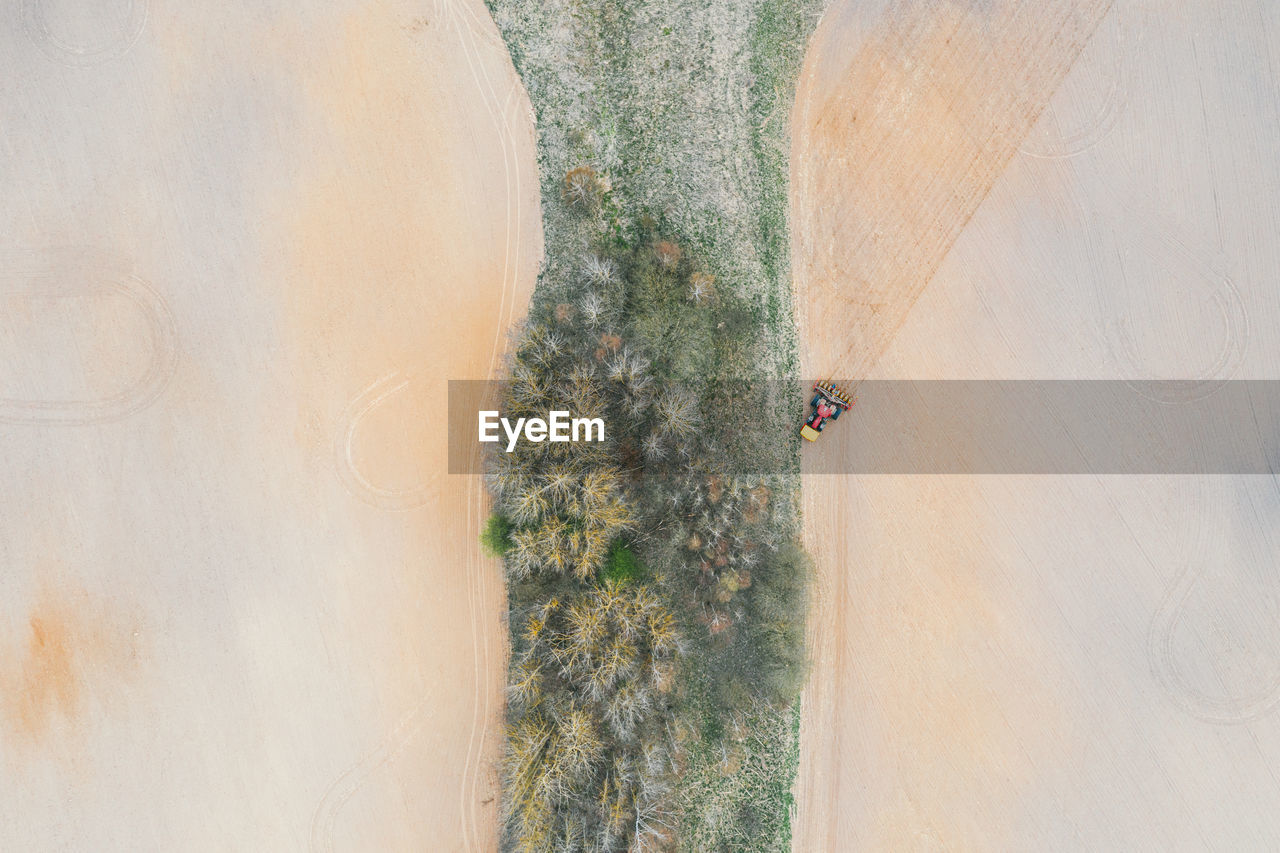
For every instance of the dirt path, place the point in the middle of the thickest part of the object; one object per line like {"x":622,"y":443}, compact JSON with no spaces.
{"x":1024,"y":662}
{"x":245,"y":606}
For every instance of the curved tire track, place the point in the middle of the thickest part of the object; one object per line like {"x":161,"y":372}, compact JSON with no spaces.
{"x":1169,"y":618}
{"x":1162,"y":243}
{"x":1110,"y":105}
{"x":68,"y":271}
{"x":1224,"y":710}
{"x":349,"y":472}
{"x":36,"y":24}
{"x":347,"y":785}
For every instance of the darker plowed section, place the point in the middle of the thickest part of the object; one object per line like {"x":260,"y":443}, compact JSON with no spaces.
{"x":892,"y":164}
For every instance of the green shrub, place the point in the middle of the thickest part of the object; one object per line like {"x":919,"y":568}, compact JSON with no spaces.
{"x":621,"y":566}
{"x":496,"y":536}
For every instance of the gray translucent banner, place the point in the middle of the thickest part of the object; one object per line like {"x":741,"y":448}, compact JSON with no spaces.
{"x":988,"y":427}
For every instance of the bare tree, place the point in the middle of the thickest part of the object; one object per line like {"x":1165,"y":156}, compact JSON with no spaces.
{"x":677,"y":411}
{"x":583,"y":188}
{"x":599,"y":270}
{"x":592,"y":308}
{"x":700,"y":288}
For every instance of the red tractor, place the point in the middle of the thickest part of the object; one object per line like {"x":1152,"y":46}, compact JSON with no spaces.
{"x":827,"y":404}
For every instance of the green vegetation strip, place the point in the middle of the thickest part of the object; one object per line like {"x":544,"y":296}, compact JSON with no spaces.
{"x":656,"y":602}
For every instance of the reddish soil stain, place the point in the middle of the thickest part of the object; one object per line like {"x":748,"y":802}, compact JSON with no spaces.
{"x":77,"y":655}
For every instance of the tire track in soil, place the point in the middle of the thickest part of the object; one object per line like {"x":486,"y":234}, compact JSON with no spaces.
{"x":356,"y":483}
{"x":1106,"y":88}
{"x":73,"y":271}
{"x":1229,"y":708}
{"x":35,"y":22}
{"x":1186,"y":259}
{"x":470,"y":29}
{"x":481,"y":600}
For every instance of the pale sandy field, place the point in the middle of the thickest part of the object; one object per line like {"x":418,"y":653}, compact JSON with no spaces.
{"x":242,"y":248}
{"x":1041,"y":663}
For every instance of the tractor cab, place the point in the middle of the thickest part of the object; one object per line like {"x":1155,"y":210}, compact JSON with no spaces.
{"x":827,"y":404}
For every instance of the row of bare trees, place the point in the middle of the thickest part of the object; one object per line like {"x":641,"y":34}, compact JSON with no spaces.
{"x":587,"y":756}
{"x":593,"y":664}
